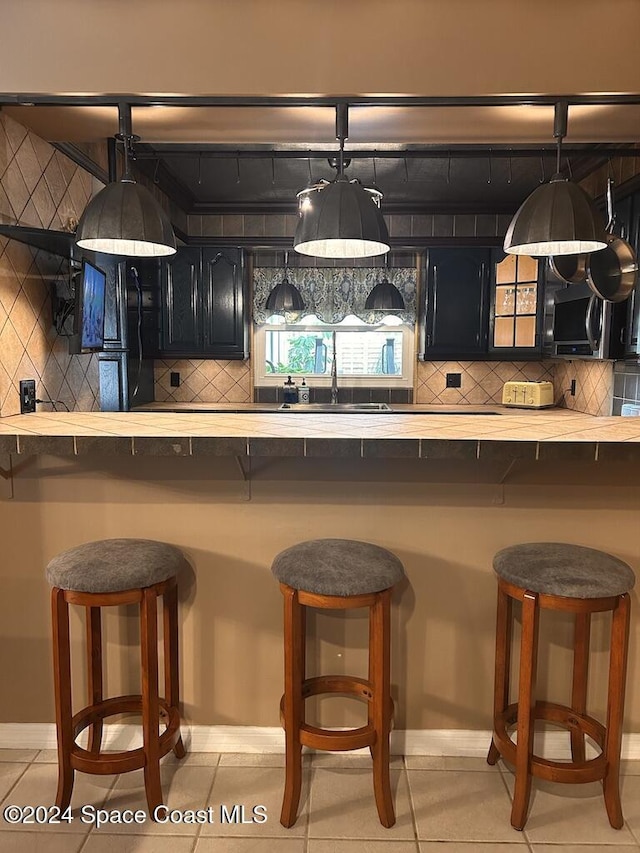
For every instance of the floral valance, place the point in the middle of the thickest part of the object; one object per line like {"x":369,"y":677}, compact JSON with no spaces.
{"x":332,"y":293}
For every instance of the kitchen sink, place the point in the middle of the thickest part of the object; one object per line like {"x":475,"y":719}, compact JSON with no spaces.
{"x":335,"y":407}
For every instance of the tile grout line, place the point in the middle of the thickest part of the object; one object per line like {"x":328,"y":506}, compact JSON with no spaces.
{"x":207,"y":803}
{"x":414,"y":819}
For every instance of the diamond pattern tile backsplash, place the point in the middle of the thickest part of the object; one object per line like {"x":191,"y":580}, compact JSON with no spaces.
{"x":203,"y":381}
{"x":41,"y":188}
{"x":594,"y":386}
{"x":481,"y":381}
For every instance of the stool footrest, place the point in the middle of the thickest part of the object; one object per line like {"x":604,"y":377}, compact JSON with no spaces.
{"x":570,"y":772}
{"x":336,"y":740}
{"x":108,"y":763}
{"x":358,"y":687}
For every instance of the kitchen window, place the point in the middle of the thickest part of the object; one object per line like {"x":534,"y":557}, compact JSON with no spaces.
{"x":366,"y":355}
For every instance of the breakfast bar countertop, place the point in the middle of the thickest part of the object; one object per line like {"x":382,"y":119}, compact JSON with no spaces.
{"x":259,"y":430}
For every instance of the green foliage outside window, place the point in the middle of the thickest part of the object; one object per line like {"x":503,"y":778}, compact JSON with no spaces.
{"x":300,"y":356}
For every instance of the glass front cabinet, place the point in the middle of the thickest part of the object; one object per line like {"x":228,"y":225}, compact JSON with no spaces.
{"x":516,"y":300}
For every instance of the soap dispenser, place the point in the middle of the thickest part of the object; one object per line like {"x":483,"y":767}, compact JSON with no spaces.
{"x":303,"y":392}
{"x":290,"y":391}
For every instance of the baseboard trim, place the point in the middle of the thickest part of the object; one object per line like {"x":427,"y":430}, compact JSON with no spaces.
{"x":257,"y":739}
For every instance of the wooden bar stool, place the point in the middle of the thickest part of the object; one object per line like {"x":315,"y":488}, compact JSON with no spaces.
{"x":573,"y":579}
{"x":337,"y":574}
{"x":102,"y":574}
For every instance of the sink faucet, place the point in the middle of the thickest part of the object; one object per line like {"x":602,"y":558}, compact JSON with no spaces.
{"x":334,"y":373}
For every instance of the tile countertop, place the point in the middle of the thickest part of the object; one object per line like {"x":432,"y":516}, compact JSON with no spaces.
{"x":414,"y":432}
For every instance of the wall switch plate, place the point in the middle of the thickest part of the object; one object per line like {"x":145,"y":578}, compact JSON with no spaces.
{"x":572,"y":390}
{"x":27,"y":396}
{"x":454,"y":380}
{"x":174,"y":379}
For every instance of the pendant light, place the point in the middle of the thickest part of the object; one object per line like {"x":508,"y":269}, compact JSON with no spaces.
{"x":284,"y":296}
{"x":124,"y":218}
{"x":558,"y":218}
{"x":385,"y":296}
{"x":340,"y":219}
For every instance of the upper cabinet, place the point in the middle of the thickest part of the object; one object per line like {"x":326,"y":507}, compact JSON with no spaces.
{"x":481,"y":304}
{"x":204,"y":306}
{"x":515,"y":315}
{"x":457,"y":303}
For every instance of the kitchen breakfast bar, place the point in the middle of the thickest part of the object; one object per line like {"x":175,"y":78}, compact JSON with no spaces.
{"x":442,"y":489}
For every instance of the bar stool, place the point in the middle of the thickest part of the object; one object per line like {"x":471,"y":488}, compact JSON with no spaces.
{"x":102,"y":574}
{"x":573,"y":579}
{"x":337,"y":574}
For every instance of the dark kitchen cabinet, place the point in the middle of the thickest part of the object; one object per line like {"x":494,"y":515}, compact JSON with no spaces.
{"x":203,"y":304}
{"x":457,"y":303}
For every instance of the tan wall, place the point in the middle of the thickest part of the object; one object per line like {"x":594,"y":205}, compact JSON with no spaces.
{"x":444,"y":532}
{"x":363,"y":46}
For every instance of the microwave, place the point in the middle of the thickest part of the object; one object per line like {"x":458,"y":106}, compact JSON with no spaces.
{"x":585,"y":326}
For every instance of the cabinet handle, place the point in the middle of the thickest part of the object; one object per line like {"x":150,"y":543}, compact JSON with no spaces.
{"x":431,"y":338}
{"x":194,"y":291}
{"x":483,"y":278}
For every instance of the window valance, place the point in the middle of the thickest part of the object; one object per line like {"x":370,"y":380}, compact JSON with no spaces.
{"x":335,"y":292}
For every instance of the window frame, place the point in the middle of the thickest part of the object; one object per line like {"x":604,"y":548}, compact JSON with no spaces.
{"x":404,"y":380}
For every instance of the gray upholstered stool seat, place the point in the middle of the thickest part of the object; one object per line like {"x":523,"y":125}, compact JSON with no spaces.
{"x":337,"y":567}
{"x":113,"y":565}
{"x":556,"y":568}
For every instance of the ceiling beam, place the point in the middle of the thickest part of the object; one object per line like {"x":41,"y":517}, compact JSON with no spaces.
{"x":113,"y":100}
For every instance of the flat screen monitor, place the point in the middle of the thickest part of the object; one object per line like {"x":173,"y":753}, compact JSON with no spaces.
{"x":90,"y":307}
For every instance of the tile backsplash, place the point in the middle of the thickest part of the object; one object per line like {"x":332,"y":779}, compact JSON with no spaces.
{"x":626,"y":385}
{"x":594,"y":386}
{"x":42,"y":188}
{"x":212,"y":381}
{"x":481,"y":381}
{"x":203,"y":381}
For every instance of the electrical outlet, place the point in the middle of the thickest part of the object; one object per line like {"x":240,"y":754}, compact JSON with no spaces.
{"x":572,"y":390}
{"x":27,"y":396}
{"x":174,"y":379}
{"x":454,"y":380}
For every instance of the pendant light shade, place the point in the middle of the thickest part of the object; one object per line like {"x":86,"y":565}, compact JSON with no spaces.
{"x":284,"y":297}
{"x":125,"y":219}
{"x":341,"y":220}
{"x":385,"y":297}
{"x":558,"y":218}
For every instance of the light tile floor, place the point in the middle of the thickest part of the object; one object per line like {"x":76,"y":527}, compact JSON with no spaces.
{"x":443,"y":805}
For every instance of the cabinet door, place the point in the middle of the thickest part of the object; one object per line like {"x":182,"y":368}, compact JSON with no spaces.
{"x":457,"y":303}
{"x":181,"y":321}
{"x":517,"y":307}
{"x":223,"y":295}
